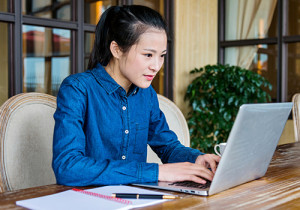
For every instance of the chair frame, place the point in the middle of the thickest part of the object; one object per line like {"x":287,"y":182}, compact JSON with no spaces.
{"x":6,"y":110}
{"x":296,"y":115}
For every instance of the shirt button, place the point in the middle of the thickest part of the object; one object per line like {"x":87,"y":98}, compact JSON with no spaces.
{"x":123,"y":157}
{"x":124,"y":108}
{"x":126,"y":131}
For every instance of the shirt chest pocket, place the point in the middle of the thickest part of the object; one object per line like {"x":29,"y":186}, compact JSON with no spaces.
{"x":141,"y":138}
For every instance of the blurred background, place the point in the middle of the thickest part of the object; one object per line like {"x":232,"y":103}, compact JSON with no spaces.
{"x":42,"y":42}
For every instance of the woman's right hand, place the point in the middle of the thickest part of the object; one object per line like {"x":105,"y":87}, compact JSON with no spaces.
{"x":186,"y":171}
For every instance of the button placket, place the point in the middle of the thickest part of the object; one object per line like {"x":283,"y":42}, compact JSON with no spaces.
{"x":124,"y":112}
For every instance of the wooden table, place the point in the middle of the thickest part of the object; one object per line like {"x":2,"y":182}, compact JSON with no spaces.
{"x":279,"y":189}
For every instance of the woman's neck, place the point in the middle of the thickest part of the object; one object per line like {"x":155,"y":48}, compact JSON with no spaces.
{"x":113,"y":70}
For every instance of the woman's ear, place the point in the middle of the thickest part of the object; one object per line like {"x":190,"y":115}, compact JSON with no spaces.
{"x":115,"y":49}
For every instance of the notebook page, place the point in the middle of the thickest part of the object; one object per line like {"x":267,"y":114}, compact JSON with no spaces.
{"x":76,"y":200}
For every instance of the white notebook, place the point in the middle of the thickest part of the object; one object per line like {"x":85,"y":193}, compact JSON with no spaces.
{"x":75,"y":200}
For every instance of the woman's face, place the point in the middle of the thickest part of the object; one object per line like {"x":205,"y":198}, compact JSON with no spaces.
{"x":143,"y":61}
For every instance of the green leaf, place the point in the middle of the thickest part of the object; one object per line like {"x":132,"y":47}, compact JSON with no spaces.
{"x":227,"y":116}
{"x":231,"y":100}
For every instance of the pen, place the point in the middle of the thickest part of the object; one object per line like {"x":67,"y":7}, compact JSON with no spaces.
{"x":143,"y":196}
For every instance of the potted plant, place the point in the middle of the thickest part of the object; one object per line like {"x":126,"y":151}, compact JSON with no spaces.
{"x":215,"y":96}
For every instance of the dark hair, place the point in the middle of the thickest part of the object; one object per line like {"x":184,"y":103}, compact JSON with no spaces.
{"x":124,"y":25}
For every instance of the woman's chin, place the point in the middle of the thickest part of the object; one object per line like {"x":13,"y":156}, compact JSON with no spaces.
{"x":143,"y":85}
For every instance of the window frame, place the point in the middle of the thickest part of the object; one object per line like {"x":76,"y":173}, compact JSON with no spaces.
{"x":282,"y":40}
{"x":78,"y":28}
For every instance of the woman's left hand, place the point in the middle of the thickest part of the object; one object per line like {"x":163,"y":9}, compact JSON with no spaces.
{"x":209,"y":161}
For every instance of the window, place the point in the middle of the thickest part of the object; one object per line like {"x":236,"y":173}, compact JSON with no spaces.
{"x":46,"y":58}
{"x":4,"y":62}
{"x":42,"y":42}
{"x":88,"y":46}
{"x":3,"y":6}
{"x":93,"y":9}
{"x":57,"y":9}
{"x":263,"y":36}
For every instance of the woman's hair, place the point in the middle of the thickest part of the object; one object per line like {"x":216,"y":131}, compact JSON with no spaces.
{"x":124,"y":25}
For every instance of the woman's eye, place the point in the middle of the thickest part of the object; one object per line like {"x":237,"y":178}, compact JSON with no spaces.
{"x":148,"y":55}
{"x":164,"y":55}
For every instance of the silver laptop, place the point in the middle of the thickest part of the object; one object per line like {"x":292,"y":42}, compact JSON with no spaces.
{"x":250,"y":147}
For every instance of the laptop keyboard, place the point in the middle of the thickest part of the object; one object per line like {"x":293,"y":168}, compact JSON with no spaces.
{"x":192,"y":184}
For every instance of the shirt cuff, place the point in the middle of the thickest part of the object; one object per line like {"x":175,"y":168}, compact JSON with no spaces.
{"x":148,"y":172}
{"x":194,"y":155}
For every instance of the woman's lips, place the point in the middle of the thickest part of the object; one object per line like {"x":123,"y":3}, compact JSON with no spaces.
{"x":149,"y":77}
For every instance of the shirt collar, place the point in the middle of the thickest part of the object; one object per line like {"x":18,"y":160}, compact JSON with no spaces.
{"x":107,"y":82}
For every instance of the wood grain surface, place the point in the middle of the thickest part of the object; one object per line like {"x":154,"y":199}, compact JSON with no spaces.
{"x":278,"y":189}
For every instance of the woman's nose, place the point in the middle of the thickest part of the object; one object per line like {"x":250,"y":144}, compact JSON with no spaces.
{"x":156,"y":65}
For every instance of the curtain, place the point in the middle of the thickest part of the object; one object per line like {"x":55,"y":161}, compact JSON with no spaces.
{"x":246,"y":20}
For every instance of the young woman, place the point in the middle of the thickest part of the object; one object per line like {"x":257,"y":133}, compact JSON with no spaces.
{"x":107,"y":115}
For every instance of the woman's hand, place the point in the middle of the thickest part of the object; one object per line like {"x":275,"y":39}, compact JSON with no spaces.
{"x":196,"y":172}
{"x":208,"y":161}
{"x":174,"y":172}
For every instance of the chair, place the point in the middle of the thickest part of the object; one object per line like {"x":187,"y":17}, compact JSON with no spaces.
{"x":26,"y":135}
{"x":296,"y":115}
{"x":177,"y":123}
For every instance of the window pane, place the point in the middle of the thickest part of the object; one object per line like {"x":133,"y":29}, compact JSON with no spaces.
{"x":293,"y":67}
{"x":46,"y":53}
{"x":93,"y":9}
{"x":157,"y":5}
{"x":262,"y":60}
{"x":3,"y":6}
{"x":59,"y":9}
{"x":88,"y":46}
{"x":293,"y":14}
{"x":250,"y":19}
{"x":4,"y":62}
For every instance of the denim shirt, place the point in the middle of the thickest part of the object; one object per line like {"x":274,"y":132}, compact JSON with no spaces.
{"x":101,"y":133}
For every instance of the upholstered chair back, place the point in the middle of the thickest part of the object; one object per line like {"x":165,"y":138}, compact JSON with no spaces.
{"x":177,"y":123}
{"x":26,"y":135}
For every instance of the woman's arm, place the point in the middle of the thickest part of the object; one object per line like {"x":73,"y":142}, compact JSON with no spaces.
{"x":165,"y":142}
{"x":181,"y":163}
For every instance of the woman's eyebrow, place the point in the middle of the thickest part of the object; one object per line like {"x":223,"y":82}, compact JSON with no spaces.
{"x":154,"y":51}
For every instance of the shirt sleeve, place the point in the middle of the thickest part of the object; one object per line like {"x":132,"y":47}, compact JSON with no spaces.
{"x":164,"y":141}
{"x":70,"y":163}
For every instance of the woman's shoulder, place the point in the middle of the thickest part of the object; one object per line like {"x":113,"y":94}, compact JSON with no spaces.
{"x":81,"y":82}
{"x":79,"y":79}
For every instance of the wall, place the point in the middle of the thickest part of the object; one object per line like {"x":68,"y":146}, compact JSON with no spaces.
{"x":195,"y":42}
